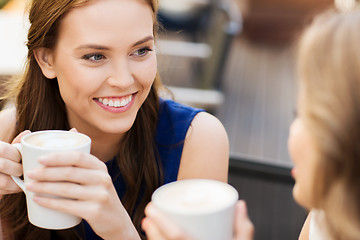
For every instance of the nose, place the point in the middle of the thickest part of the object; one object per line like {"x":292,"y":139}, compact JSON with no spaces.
{"x":121,"y":75}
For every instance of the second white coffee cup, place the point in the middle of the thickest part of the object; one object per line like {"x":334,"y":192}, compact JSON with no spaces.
{"x":35,"y":145}
{"x":204,"y":209}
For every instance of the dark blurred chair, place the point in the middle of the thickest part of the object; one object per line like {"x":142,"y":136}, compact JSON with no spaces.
{"x":210,"y":26}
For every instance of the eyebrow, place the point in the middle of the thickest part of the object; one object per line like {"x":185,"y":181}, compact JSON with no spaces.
{"x":99,"y":47}
{"x":93,"y":46}
{"x":143,"y":41}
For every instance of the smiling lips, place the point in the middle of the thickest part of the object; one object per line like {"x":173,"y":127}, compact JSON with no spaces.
{"x":116,"y":101}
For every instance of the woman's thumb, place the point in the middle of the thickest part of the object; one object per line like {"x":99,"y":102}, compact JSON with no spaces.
{"x":18,"y":137}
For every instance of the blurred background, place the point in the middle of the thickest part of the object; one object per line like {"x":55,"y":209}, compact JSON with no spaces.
{"x":235,"y":58}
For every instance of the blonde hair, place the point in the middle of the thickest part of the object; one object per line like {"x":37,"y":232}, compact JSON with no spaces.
{"x":329,"y":102}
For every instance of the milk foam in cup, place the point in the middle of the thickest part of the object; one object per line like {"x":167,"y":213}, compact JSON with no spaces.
{"x":56,"y":140}
{"x":202,"y":208}
{"x":35,"y":145}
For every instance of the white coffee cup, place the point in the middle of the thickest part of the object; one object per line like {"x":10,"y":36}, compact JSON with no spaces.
{"x":203,"y":208}
{"x":41,"y":143}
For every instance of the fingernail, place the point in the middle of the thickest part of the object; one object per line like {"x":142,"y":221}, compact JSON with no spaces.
{"x":42,"y":159}
{"x":242,"y":207}
{"x":29,"y":186}
{"x":31,"y":173}
{"x":150,"y":210}
{"x":36,"y":198}
{"x":143,"y":221}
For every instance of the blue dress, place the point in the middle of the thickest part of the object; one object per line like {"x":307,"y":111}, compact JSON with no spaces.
{"x":173,"y":123}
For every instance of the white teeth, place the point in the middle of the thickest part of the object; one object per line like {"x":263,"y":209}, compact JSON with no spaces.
{"x":116,"y":103}
{"x":123,"y":102}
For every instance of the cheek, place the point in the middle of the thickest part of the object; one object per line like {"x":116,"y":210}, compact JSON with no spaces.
{"x":292,"y":147}
{"x":72,"y":83}
{"x":146,"y":72}
{"x":78,"y":79}
{"x":304,"y":175}
{"x":66,"y":72}
{"x":302,"y":191}
{"x":297,"y":150}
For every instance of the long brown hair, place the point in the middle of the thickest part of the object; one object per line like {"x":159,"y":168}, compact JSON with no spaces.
{"x":39,"y":106}
{"x":329,"y":101}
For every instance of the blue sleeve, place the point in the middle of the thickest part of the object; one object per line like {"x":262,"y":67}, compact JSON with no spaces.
{"x":173,"y":124}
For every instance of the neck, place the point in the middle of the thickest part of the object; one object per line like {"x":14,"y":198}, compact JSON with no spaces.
{"x":105,"y":149}
{"x":105,"y":146}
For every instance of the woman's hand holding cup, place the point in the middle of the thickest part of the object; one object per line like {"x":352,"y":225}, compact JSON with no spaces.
{"x":85,"y":189}
{"x":158,"y":227}
{"x":38,"y":145}
{"x":201,"y":209}
{"x":10,"y":165}
{"x":62,"y":176}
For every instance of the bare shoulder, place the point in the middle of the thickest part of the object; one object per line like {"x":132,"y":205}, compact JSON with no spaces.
{"x":8,"y":123}
{"x":206,"y":149}
{"x":207,"y":124}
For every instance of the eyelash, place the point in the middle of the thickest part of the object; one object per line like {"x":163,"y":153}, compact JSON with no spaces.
{"x":147,"y":49}
{"x":136,"y":53}
{"x":91,"y":55}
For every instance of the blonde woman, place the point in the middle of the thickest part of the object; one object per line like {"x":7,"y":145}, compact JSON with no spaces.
{"x":324,"y":141}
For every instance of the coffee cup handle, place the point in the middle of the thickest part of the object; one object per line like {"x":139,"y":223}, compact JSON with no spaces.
{"x":17,"y":180}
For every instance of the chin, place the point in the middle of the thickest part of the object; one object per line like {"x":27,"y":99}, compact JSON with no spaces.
{"x":113,"y":129}
{"x":300,"y":198}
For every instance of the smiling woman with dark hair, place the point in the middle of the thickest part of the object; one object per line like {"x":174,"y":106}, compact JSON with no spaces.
{"x":92,"y":66}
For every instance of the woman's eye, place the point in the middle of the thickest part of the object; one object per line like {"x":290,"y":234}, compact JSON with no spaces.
{"x":142,"y":52}
{"x":94,"y":57}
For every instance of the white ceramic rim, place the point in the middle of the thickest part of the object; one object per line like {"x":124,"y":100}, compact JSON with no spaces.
{"x":23,"y":139}
{"x":232,"y":202}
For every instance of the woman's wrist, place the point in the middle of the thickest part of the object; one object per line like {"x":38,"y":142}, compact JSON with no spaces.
{"x":125,"y":233}
{"x":122,"y":229}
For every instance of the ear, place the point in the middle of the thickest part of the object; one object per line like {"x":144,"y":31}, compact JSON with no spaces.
{"x":44,"y":58}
